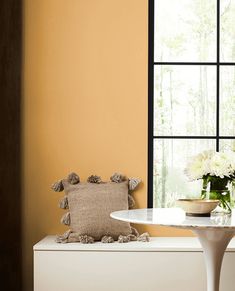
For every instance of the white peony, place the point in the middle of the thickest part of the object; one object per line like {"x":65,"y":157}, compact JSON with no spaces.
{"x":198,"y":166}
{"x":220,"y":164}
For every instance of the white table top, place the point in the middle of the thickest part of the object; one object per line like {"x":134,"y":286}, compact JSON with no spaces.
{"x":174,"y":217}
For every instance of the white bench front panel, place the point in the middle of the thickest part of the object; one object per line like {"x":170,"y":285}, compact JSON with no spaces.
{"x":114,"y":270}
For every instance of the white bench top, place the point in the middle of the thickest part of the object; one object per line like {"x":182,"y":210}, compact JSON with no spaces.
{"x":156,"y":244}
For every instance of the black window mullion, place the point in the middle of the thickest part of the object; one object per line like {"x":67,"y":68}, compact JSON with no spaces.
{"x":195,"y":63}
{"x":217,"y":107}
{"x":150,"y":101}
{"x":218,"y":77}
{"x":186,"y":63}
{"x":191,"y":137}
{"x":184,"y":137}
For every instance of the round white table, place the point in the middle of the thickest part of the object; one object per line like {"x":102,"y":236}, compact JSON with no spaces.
{"x":214,"y":233}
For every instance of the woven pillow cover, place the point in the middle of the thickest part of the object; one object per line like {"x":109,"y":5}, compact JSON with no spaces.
{"x":89,"y":206}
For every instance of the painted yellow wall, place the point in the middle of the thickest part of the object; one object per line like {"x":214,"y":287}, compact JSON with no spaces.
{"x":84,"y":105}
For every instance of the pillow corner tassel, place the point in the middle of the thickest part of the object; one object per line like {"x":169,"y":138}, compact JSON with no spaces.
{"x":73,"y":178}
{"x":58,"y":186}
{"x":63,"y":204}
{"x":133,"y":183}
{"x":66,"y":218}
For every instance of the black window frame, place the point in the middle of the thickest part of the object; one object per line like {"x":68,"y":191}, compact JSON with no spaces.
{"x":151,"y":66}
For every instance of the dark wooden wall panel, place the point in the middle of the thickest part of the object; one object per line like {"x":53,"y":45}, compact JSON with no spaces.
{"x":10,"y":185}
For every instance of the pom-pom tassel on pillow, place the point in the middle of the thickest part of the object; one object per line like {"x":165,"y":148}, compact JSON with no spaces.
{"x":73,"y":178}
{"x":58,"y":186}
{"x":107,"y":239}
{"x":117,"y":178}
{"x":66,"y":218}
{"x":63,"y":238}
{"x":94,"y":179}
{"x":73,"y":237}
{"x":123,"y":239}
{"x":133,"y":183}
{"x":64,"y":203}
{"x":144,"y":237}
{"x":86,"y":239}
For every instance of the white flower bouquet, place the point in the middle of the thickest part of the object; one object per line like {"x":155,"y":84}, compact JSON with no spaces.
{"x":217,"y":170}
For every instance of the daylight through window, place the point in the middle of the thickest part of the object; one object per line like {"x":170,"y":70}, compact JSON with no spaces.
{"x":191,"y":90}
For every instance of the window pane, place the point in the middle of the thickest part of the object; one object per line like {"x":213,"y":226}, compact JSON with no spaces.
{"x":184,"y":100}
{"x":170,"y":159}
{"x":227,"y":145}
{"x":185,"y":30}
{"x":227,"y":101}
{"x":227,"y":28}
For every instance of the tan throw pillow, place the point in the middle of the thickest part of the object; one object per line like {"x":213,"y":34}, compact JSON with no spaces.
{"x":90,"y":206}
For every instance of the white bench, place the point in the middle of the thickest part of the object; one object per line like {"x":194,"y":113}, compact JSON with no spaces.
{"x":163,"y":264}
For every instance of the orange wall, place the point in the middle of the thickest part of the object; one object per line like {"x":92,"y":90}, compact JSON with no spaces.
{"x":84,"y":105}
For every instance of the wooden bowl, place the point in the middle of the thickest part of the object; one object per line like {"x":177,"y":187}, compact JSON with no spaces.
{"x":197,"y":207}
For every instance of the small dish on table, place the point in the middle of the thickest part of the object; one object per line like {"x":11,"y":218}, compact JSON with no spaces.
{"x":197,"y":207}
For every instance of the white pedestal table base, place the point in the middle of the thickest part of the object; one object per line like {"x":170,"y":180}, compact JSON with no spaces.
{"x":214,"y":243}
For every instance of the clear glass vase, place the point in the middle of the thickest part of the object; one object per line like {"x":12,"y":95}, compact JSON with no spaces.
{"x":219,"y":189}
